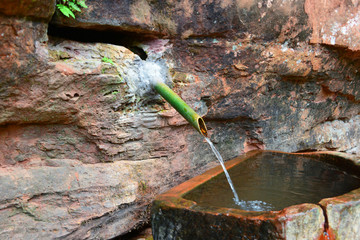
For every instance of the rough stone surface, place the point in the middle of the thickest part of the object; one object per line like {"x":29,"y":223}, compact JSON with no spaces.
{"x":302,"y":222}
{"x":187,"y":19}
{"x":343,"y":214}
{"x":33,"y":9}
{"x":87,"y":192}
{"x":181,"y":223}
{"x":91,"y":124}
{"x":246,"y":66}
{"x":335,"y":22}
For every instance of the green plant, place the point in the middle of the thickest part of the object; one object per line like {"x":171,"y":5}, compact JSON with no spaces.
{"x":67,"y":7}
{"x":107,"y":60}
{"x":142,"y":186}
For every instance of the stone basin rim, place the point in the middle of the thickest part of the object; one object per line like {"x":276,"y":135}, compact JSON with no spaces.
{"x":173,"y":198}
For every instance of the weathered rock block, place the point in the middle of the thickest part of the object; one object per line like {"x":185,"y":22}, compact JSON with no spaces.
{"x":343,"y":214}
{"x":335,"y":22}
{"x":35,"y":9}
{"x":191,"y":19}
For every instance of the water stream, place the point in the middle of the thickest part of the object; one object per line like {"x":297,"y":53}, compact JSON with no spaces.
{"x":218,"y":156}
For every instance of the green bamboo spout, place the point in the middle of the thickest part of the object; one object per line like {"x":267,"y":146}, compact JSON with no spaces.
{"x":187,"y":112}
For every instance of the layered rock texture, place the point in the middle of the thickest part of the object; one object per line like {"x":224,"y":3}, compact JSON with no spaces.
{"x":85,"y":148}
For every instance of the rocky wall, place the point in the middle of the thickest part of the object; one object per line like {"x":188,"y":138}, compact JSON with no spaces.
{"x":82,"y":154}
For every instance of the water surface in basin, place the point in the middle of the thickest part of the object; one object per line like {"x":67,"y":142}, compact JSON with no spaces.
{"x":273,"y":181}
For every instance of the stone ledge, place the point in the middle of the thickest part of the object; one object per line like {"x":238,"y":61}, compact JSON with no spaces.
{"x":38,"y":9}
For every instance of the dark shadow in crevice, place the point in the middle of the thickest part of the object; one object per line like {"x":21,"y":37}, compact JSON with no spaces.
{"x":130,"y":40}
{"x":308,"y":150}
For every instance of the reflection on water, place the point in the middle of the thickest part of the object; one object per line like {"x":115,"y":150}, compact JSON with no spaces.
{"x":273,"y":181}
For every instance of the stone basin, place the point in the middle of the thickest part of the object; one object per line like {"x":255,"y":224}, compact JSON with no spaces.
{"x":282,"y":210}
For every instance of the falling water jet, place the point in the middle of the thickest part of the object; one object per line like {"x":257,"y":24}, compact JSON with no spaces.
{"x":218,"y":156}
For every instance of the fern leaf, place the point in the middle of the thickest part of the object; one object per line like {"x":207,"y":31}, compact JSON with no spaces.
{"x":73,"y":6}
{"x":72,"y":14}
{"x":81,"y":3}
{"x":65,"y":10}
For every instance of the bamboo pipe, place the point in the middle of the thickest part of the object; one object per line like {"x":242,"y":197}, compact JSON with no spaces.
{"x":187,"y":112}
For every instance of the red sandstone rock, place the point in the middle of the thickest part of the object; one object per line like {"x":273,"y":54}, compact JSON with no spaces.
{"x":38,"y":10}
{"x":335,"y":22}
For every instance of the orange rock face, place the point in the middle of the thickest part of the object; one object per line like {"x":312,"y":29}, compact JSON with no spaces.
{"x":335,"y":22}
